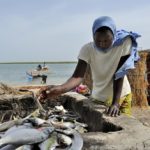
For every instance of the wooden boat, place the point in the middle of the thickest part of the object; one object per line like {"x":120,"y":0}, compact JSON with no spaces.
{"x":39,"y":71}
{"x":33,"y":74}
{"x":44,"y":68}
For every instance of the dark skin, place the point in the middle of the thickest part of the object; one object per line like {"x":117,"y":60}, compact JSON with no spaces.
{"x":102,"y":40}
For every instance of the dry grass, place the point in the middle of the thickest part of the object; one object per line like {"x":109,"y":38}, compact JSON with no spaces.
{"x":5,"y":89}
{"x":138,"y":82}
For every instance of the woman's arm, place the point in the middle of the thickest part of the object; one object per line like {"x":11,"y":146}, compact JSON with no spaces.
{"x":117,"y":89}
{"x":75,"y":80}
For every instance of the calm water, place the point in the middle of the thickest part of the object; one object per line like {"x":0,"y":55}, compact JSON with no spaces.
{"x":15,"y":74}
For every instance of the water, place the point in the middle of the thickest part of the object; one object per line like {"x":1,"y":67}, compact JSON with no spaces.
{"x":15,"y":74}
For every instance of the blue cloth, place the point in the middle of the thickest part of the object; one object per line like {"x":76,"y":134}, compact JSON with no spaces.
{"x":119,"y":37}
{"x":134,"y":57}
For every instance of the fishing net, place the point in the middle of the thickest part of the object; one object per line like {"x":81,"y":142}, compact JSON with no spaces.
{"x":5,"y":89}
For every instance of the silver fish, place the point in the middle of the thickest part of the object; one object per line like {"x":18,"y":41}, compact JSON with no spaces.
{"x":64,"y":139}
{"x":80,"y":124}
{"x":14,"y":128}
{"x":50,"y":143}
{"x":63,"y":125}
{"x":9,"y":147}
{"x":80,"y":129}
{"x":36,"y":121}
{"x":66,"y":132}
{"x":60,"y":109}
{"x":6,"y":125}
{"x":77,"y":141}
{"x":25,"y":147}
{"x":26,"y":136}
{"x":1,"y":135}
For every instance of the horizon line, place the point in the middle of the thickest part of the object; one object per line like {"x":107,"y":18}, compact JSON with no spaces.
{"x":37,"y":62}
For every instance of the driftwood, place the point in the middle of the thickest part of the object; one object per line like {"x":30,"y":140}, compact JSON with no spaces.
{"x":17,"y":106}
{"x":14,"y":103}
{"x":21,"y":102}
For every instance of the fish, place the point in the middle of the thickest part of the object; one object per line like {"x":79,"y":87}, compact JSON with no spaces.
{"x":1,"y":134}
{"x":60,"y":109}
{"x":36,"y":121}
{"x":50,"y":143}
{"x":77,"y":141}
{"x":6,"y":125}
{"x":9,"y":147}
{"x":81,"y":124}
{"x":66,"y":132}
{"x":16,"y":127}
{"x":25,"y":147}
{"x":63,"y":117}
{"x":80,"y":129}
{"x":64,"y":139}
{"x":26,"y":136}
{"x":63,"y":125}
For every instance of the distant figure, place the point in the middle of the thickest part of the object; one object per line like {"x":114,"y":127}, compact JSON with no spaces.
{"x":44,"y":77}
{"x":44,"y":64}
{"x":39,"y":67}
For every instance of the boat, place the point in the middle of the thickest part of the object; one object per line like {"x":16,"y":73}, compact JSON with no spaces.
{"x":40,"y":71}
{"x":33,"y":74}
{"x":44,"y":68}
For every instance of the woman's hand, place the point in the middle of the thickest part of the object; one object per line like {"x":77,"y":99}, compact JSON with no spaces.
{"x":50,"y":91}
{"x":114,"y":110}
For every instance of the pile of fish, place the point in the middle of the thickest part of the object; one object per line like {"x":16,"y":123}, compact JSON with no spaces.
{"x":59,"y":130}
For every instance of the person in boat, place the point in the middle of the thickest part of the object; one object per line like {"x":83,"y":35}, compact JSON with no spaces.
{"x":110,"y":55}
{"x":39,"y":67}
{"x":44,"y":77}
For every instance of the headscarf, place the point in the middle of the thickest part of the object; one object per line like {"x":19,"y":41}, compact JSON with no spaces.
{"x":104,"y":21}
{"x":119,"y":37}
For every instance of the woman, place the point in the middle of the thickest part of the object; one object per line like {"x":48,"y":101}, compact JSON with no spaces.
{"x":110,"y":55}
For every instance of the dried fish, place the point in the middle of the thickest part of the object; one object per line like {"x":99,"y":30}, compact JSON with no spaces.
{"x":6,"y":125}
{"x":64,"y":139}
{"x":50,"y":143}
{"x":26,"y":136}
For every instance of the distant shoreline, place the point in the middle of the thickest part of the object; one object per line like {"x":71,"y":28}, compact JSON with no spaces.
{"x":39,"y":62}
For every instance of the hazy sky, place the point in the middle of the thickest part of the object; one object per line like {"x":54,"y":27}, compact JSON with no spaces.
{"x":55,"y":30}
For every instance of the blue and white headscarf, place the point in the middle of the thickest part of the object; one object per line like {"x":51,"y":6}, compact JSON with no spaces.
{"x":104,"y":21}
{"x":119,"y":37}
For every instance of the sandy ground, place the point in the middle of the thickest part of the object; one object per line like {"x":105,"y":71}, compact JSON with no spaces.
{"x":143,"y":115}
